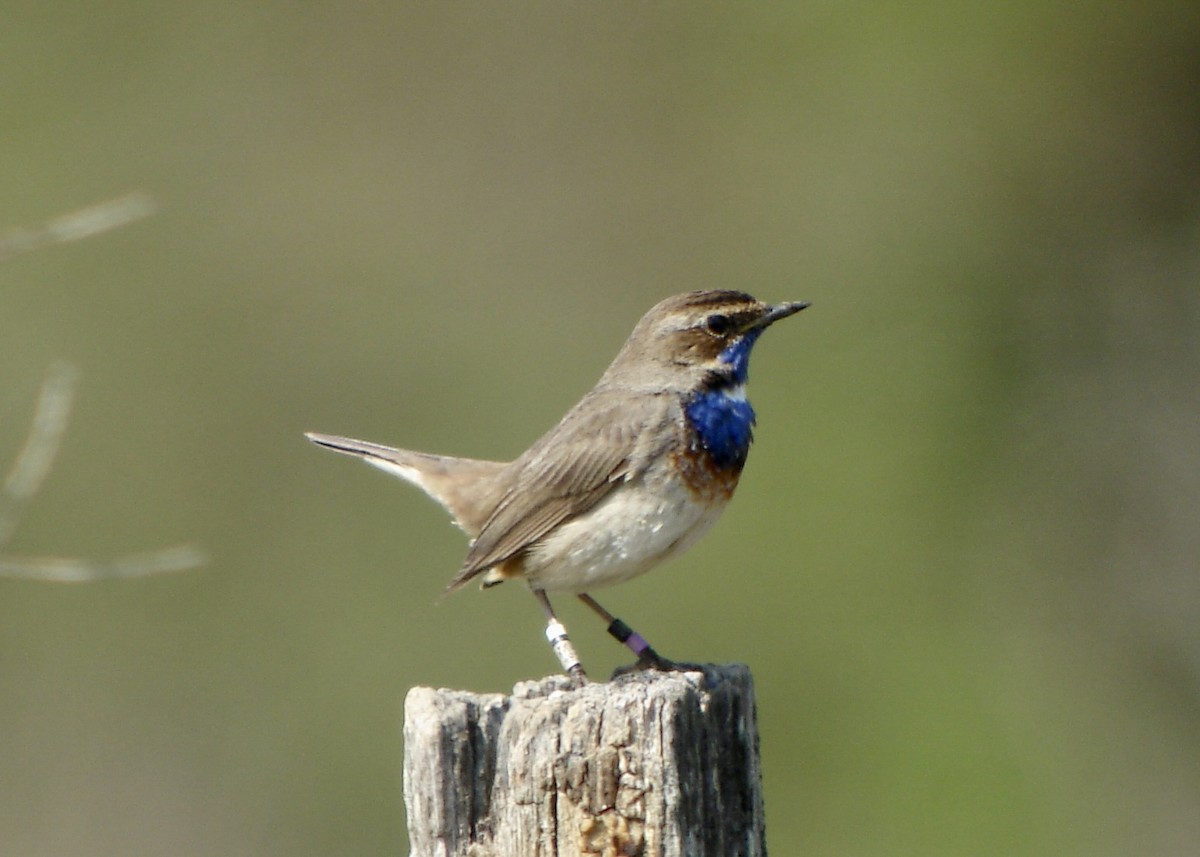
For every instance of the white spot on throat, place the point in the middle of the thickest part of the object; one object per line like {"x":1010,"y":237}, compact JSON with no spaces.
{"x":736,"y":394}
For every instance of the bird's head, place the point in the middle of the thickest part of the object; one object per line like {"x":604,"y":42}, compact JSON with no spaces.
{"x":695,"y":338}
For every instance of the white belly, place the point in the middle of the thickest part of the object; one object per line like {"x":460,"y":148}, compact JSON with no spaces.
{"x":628,"y":533}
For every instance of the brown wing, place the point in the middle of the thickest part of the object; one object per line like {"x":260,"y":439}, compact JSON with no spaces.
{"x":606,"y":439}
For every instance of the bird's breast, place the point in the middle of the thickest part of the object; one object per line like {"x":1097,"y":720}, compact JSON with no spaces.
{"x":638,"y":526}
{"x":718,"y":431}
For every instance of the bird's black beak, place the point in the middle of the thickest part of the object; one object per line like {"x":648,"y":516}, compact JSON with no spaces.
{"x":783,"y":310}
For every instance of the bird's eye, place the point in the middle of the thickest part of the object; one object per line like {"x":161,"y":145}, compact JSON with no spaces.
{"x":718,"y":324}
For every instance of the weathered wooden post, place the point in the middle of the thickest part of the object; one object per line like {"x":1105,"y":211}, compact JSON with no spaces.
{"x":651,"y":764}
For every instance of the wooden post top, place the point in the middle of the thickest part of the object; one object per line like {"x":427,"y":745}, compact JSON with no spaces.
{"x":654,"y":764}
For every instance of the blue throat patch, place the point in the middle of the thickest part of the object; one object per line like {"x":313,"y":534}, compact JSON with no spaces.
{"x":724,"y":424}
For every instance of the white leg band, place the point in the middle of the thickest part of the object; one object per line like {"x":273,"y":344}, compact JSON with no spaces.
{"x":556,"y":634}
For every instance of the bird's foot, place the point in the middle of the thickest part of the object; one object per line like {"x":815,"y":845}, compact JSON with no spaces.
{"x":649,"y":659}
{"x":577,"y":675}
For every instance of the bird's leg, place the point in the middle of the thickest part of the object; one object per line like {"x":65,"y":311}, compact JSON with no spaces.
{"x":556,"y":634}
{"x":647,"y":658}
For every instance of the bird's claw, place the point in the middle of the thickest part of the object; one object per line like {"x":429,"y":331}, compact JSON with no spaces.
{"x":652,"y":660}
{"x":578,"y":676}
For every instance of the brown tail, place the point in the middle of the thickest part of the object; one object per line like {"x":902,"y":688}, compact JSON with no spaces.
{"x":467,"y":488}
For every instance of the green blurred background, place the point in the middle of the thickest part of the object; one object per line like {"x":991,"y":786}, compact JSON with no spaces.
{"x":962,"y":562}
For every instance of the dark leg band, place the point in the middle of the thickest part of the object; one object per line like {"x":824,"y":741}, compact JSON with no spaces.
{"x":624,"y":634}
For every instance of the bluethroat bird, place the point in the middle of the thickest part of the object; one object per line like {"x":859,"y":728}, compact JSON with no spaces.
{"x":632,"y":476}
